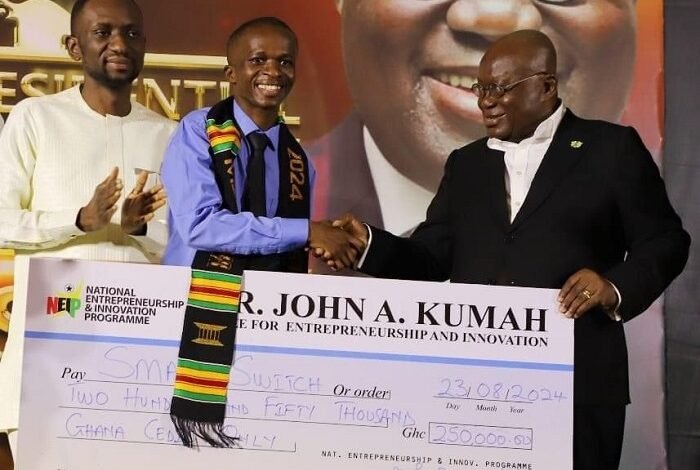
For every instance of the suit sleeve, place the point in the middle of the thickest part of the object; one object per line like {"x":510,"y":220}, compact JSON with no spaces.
{"x":426,"y":255}
{"x":657,"y":245}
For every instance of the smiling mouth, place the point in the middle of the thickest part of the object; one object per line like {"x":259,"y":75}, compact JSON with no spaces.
{"x":267,"y":87}
{"x":492,"y":120}
{"x":456,"y":76}
{"x":456,"y":80}
{"x":452,"y":96}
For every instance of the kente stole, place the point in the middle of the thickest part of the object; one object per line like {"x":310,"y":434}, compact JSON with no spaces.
{"x":206,"y":351}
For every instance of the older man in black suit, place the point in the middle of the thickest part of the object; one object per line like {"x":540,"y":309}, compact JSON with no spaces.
{"x":549,"y":200}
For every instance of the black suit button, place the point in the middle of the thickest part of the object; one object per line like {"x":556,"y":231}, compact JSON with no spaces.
{"x":512,"y":283}
{"x":491,"y":281}
{"x":510,"y":238}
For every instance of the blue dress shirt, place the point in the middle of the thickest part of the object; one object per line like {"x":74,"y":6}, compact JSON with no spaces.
{"x":196,"y":220}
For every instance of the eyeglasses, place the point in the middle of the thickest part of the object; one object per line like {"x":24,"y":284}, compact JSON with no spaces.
{"x":497,"y":91}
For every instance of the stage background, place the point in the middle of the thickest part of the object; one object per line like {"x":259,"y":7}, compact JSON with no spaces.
{"x":682,"y":174}
{"x":184,"y":70}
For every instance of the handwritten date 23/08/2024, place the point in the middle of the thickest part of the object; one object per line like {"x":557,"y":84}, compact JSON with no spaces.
{"x":458,"y":388}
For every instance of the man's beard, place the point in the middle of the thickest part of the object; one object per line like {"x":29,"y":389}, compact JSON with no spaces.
{"x":113,"y":83}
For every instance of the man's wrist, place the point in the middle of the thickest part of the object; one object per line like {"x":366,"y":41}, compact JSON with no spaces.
{"x":613,"y":308}
{"x":138,"y":231}
{"x":77,"y":221}
{"x":309,"y":232}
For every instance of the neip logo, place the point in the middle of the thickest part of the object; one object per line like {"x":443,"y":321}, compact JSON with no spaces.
{"x":68,"y":301}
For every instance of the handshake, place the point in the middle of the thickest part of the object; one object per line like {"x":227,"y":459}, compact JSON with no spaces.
{"x":339,"y":243}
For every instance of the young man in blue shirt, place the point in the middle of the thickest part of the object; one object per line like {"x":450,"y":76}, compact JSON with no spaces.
{"x":261,"y":56}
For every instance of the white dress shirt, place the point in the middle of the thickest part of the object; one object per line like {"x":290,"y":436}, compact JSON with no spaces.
{"x":523,"y":159}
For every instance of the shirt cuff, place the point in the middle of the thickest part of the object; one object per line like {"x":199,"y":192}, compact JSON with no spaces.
{"x":369,"y":242}
{"x":295,"y":233}
{"x":69,"y":220}
{"x":614,"y":314}
{"x":153,"y":237}
{"x":141,"y":232}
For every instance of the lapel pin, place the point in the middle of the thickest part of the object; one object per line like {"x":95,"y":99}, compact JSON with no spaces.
{"x":575,"y":144}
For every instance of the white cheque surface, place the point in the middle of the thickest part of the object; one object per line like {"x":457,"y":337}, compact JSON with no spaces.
{"x":329,"y":373}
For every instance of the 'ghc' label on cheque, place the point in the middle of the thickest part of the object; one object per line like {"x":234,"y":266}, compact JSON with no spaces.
{"x":329,"y":373}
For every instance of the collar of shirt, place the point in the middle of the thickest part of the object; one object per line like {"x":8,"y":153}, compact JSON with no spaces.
{"x":544,"y":132}
{"x":248,"y":126}
{"x":523,"y":159}
{"x":82,"y":104}
{"x":402,"y":202}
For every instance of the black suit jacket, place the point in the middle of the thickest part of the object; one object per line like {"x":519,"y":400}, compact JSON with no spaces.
{"x":597,"y":201}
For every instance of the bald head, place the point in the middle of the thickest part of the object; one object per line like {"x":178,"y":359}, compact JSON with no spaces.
{"x":532,"y":50}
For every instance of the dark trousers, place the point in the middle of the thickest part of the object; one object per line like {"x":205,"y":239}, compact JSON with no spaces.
{"x":598,"y":432}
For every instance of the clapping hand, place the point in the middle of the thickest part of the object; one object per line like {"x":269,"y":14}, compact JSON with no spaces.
{"x":99,"y":210}
{"x":140,"y":206}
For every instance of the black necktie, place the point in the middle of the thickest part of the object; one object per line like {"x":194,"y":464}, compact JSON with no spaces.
{"x":255,"y":181}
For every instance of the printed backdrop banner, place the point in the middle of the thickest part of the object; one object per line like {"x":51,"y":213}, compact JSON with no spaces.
{"x":382,"y":96}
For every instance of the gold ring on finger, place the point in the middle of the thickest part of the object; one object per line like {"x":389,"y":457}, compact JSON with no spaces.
{"x":587,"y":294}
